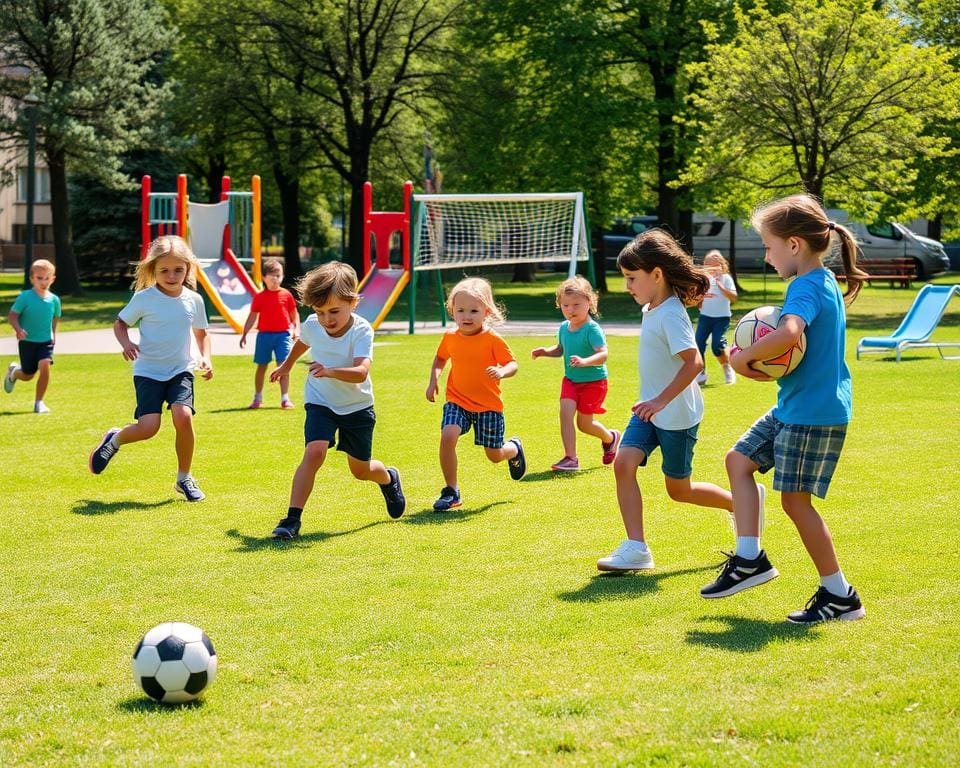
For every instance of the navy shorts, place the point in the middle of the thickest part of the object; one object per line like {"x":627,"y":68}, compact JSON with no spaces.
{"x":716,"y":329}
{"x":272,"y":345}
{"x":488,"y":426}
{"x":355,"y":429}
{"x":152,"y":394}
{"x":803,"y":457}
{"x":676,"y":444}
{"x":32,"y":352}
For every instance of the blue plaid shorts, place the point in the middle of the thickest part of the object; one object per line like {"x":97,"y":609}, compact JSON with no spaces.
{"x":488,"y":426}
{"x":803,"y":457}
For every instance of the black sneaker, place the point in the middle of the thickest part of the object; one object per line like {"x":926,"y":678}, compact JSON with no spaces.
{"x":449,"y":499}
{"x":824,"y":605}
{"x":288,"y":528}
{"x":102,"y":454}
{"x":518,"y":464}
{"x":738,"y":573}
{"x":393,"y":493}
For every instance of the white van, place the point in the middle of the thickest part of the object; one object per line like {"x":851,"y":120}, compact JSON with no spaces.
{"x":879,"y":242}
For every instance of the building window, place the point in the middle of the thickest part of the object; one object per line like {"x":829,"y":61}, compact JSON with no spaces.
{"x":42,"y":189}
{"x":42,"y":234}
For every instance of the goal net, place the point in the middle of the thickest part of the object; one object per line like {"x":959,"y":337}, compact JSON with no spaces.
{"x":476,"y":230}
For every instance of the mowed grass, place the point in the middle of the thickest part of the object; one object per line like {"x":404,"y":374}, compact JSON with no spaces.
{"x":483,"y":636}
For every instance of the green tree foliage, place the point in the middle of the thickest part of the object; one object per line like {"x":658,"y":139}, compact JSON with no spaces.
{"x":829,"y":96}
{"x":90,"y":63}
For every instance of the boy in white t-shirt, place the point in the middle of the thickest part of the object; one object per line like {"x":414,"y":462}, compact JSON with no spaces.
{"x":715,"y":315}
{"x":338,"y":394}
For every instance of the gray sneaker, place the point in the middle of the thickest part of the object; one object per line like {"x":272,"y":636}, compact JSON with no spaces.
{"x":189,"y":489}
{"x":9,"y":380}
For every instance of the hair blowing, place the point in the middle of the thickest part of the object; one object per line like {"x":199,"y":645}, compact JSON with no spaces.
{"x":657,"y":248}
{"x":335,"y":279}
{"x":166,"y":245}
{"x":803,"y":217}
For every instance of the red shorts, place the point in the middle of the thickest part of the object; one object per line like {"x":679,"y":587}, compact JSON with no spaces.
{"x":588,"y":395}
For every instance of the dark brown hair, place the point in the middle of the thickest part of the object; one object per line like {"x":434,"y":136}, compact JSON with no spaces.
{"x":803,"y":217}
{"x":657,"y":248}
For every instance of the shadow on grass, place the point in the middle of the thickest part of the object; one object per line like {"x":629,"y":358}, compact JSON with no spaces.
{"x":620,"y":586}
{"x":304,"y":540}
{"x":743,"y":635}
{"x":17,"y":413}
{"x":430,"y":516}
{"x":535,"y":477}
{"x":245,"y":409}
{"x":144,"y":704}
{"x":94,"y":507}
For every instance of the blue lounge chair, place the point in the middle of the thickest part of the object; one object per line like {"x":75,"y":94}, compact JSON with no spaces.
{"x":918,"y":325}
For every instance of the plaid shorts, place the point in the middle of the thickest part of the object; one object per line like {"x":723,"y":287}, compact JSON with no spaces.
{"x":803,"y":457}
{"x":488,"y":426}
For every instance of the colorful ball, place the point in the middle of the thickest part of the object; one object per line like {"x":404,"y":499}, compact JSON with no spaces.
{"x":756,"y":324}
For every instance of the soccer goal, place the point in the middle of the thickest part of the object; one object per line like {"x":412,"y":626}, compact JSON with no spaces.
{"x":462,"y":231}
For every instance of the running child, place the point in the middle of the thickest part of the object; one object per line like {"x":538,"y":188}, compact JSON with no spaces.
{"x":802,"y":436}
{"x":274,"y":312}
{"x":168,"y":310}
{"x":338,"y":394}
{"x":663,"y":280}
{"x":715,"y":315}
{"x":583,"y":347}
{"x":479,"y":359}
{"x":34,"y":317}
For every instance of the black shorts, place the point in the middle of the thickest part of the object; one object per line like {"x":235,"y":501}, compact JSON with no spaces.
{"x":356,"y":429}
{"x":152,"y":394}
{"x":32,"y":352}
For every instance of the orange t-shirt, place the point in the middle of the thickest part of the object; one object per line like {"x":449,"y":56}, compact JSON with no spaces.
{"x":468,"y":384}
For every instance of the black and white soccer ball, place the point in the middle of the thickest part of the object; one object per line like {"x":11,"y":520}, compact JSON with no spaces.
{"x":174,"y":663}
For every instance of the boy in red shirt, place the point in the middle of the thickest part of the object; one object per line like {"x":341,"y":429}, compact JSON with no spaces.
{"x":276,"y":310}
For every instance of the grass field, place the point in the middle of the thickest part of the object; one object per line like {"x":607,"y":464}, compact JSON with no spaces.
{"x":483,"y":636}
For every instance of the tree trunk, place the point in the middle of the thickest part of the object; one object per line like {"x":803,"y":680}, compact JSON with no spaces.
{"x":359,"y":173}
{"x":290,"y":209}
{"x":68,"y":276}
{"x":935,"y":227}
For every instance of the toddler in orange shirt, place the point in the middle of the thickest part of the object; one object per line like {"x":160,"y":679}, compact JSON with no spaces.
{"x":479,"y":358}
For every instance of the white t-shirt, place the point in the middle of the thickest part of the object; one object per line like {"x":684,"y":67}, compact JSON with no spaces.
{"x":166,"y":325}
{"x":667,"y":331}
{"x":718,"y":305}
{"x":338,"y":352}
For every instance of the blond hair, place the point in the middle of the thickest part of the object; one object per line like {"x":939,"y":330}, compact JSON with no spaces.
{"x":579,"y":286}
{"x":715,"y":254}
{"x":803,"y":217}
{"x":657,"y":248}
{"x":333,"y":279}
{"x":479,"y":289}
{"x":166,"y":245}
{"x":42,"y":265}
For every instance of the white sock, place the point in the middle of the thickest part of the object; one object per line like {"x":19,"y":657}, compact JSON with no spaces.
{"x":258,"y":396}
{"x":639,"y":545}
{"x":836,"y":584}
{"x":113,"y":441}
{"x":748,"y":547}
{"x":285,"y":398}
{"x":181,"y":476}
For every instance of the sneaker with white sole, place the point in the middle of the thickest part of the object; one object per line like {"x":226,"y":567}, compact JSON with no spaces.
{"x":10,"y":379}
{"x":449,"y":499}
{"x":40,"y":407}
{"x":739,"y":573}
{"x":101,"y":455}
{"x":701,"y":379}
{"x":627,"y":557}
{"x":824,"y":605}
{"x":189,"y":488}
{"x":566,"y":464}
{"x":729,"y":375}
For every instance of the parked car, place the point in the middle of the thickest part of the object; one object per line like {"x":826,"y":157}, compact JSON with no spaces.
{"x":621,"y":232}
{"x":882,"y":241}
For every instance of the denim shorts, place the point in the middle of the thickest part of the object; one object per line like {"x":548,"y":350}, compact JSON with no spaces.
{"x":354,"y":430}
{"x":803,"y":457}
{"x":272,"y":344}
{"x":716,"y":329}
{"x":676,"y":444}
{"x":32,"y":352}
{"x":488,"y":426}
{"x":152,"y":394}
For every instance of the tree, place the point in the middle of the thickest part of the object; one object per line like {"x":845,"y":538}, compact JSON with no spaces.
{"x":829,"y":96}
{"x":89,"y":61}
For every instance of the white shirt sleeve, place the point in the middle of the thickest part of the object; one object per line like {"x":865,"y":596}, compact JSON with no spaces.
{"x":132,"y":313}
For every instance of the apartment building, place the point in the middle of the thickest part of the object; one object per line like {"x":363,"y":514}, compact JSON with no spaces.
{"x":13,"y":211}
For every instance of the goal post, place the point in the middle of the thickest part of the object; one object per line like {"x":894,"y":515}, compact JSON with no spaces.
{"x":464,"y":231}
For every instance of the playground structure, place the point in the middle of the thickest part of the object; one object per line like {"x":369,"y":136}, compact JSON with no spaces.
{"x":382,"y":284}
{"x":224,"y":236}
{"x":917,"y":326}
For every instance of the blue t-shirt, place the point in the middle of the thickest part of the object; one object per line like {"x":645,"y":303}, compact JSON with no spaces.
{"x":582,"y":342}
{"x":818,"y":392}
{"x":36,"y":314}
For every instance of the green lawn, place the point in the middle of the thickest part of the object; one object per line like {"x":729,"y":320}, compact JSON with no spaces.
{"x":483,"y":636}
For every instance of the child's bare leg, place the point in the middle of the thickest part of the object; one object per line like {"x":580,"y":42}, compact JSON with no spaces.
{"x":43,"y":380}
{"x":506,"y":452}
{"x":314,"y":455}
{"x":284,"y":387}
{"x":701,"y":494}
{"x":813,"y":531}
{"x":746,"y":498}
{"x":625,"y":468}
{"x":448,"y":454}
{"x":145,"y":427}
{"x":568,"y":435}
{"x":258,"y":378}
{"x":587,"y":424}
{"x":19,"y":375}
{"x":723,"y":358}
{"x":369,"y":470}
{"x":183,"y":424}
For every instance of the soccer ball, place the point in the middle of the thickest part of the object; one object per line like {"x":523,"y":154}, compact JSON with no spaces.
{"x":756,"y":324}
{"x":174,"y":663}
